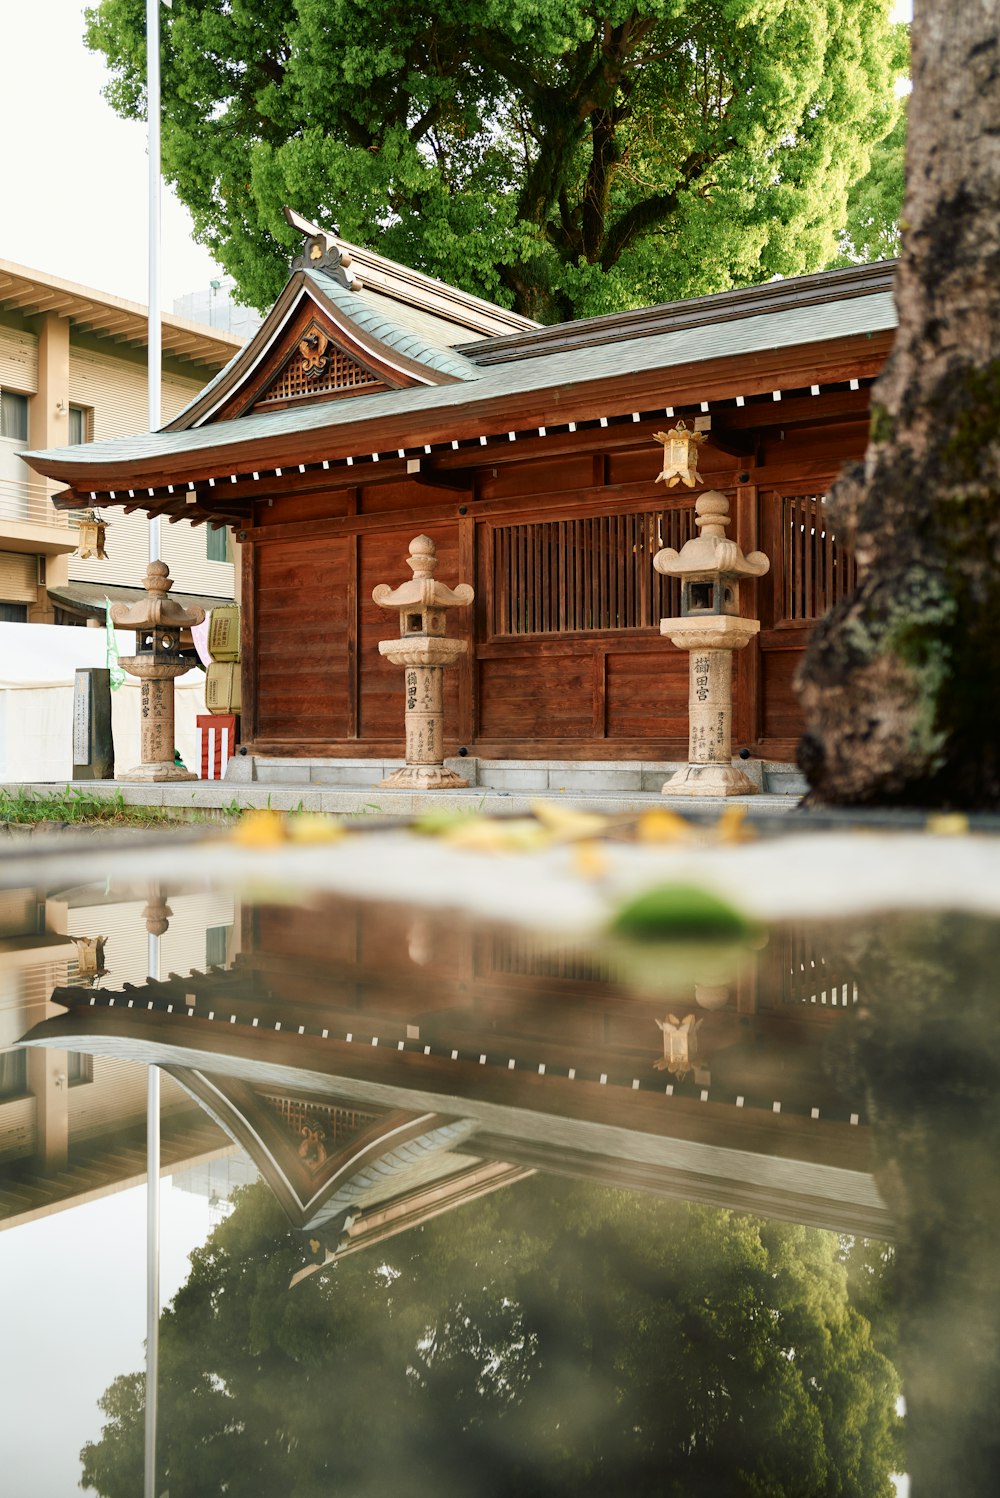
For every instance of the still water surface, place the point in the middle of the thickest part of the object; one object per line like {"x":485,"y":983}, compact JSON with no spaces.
{"x":461,"y":1209}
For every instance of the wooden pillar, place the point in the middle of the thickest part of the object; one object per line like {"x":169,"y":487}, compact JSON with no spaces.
{"x":248,"y":654}
{"x":748,"y":715}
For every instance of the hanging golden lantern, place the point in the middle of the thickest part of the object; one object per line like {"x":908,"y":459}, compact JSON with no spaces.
{"x":91,"y":530}
{"x":680,"y":456}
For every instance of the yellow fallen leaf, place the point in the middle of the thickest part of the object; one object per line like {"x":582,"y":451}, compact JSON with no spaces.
{"x":661,"y":825}
{"x":732,"y":826}
{"x":948,"y":824}
{"x":491,"y":835}
{"x":589,"y":861}
{"x":315,"y":827}
{"x":566,"y":823}
{"x":259,"y":829}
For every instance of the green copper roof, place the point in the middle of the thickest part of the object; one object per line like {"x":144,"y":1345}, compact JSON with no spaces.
{"x":560,"y":371}
{"x":372,"y":316}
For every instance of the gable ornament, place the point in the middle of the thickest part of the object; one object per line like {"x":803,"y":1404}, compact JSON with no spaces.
{"x":315,"y":358}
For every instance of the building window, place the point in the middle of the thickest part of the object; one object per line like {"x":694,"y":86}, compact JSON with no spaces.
{"x":13,"y":613}
{"x":13,"y":1075}
{"x":217,"y":945}
{"x":13,"y":416}
{"x":816,"y":570}
{"x":586,"y":573}
{"x":81,"y":424}
{"x":79,"y":1068}
{"x":217,"y":543}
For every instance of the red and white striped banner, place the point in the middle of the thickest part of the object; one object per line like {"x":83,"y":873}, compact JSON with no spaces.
{"x":218,"y":740}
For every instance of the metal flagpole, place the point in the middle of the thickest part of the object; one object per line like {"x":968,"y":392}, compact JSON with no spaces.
{"x":153,"y":1084}
{"x":153,"y":134}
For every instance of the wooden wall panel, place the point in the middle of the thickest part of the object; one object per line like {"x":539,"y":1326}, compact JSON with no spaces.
{"x":538,"y":476}
{"x":382,"y":559}
{"x":647,"y":695}
{"x":528,"y":696}
{"x":781,"y":712}
{"x":301,"y":629}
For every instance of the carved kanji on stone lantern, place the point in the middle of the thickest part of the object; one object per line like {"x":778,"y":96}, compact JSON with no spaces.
{"x":710,"y":567}
{"x":424,"y":650}
{"x":157,"y":621}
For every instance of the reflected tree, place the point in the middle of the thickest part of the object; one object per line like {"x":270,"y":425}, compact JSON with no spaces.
{"x":926,"y":1045}
{"x":559,"y":1339}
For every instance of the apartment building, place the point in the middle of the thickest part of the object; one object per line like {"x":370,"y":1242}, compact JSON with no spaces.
{"x":73,"y":369}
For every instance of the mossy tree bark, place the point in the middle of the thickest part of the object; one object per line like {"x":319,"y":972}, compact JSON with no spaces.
{"x":901,"y":684}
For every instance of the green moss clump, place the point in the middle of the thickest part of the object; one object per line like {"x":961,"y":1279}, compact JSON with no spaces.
{"x":679,"y":912}
{"x":882,"y":427}
{"x":971,"y":408}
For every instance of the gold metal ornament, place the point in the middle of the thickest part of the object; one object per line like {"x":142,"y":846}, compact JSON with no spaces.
{"x":680,"y":456}
{"x":91,"y":531}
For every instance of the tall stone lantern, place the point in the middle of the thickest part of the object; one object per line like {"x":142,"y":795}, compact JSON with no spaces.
{"x":711,"y":568}
{"x":157,"y":621}
{"x":424,"y":650}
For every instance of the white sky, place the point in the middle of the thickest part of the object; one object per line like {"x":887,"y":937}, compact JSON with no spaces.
{"x":73,"y":1293}
{"x":74,"y":198}
{"x":74,"y":174}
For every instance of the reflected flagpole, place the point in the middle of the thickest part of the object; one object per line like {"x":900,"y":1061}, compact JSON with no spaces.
{"x":152,"y":1264}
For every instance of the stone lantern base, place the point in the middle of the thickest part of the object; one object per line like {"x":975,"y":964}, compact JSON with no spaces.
{"x":710,"y":642}
{"x":424,"y":778}
{"x":157,"y":770}
{"x":709,"y":780}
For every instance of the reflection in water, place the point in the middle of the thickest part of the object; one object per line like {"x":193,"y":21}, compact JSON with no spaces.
{"x":550,"y":1214}
{"x":927,"y":1046}
{"x":559,"y":1338}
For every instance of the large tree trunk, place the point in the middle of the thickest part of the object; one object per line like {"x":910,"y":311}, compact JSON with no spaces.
{"x":901,"y":684}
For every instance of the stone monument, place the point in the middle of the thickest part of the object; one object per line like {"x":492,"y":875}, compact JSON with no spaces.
{"x":157,"y":621}
{"x":710,"y":567}
{"x":424,"y":650}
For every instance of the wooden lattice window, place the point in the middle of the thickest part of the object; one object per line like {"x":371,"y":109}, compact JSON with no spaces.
{"x":523,"y":955}
{"x":817,"y":569}
{"x":318,"y":367}
{"x":810,"y":978}
{"x":339,"y":1124}
{"x":590,"y":573}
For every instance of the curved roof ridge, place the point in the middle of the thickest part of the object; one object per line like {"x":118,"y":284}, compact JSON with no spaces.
{"x":395,"y":332}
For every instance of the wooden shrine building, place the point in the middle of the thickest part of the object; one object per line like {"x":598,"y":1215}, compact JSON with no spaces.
{"x":375,"y":403}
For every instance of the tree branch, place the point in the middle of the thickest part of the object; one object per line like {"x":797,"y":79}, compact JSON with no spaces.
{"x":645,"y":215}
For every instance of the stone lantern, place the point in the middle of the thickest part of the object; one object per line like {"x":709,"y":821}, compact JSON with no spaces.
{"x":157,"y":621}
{"x":711,"y":568}
{"x":424,"y":650}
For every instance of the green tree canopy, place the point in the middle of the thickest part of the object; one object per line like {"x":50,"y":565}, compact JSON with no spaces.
{"x":875,"y":203}
{"x":559,"y":156}
{"x":559,"y":1339}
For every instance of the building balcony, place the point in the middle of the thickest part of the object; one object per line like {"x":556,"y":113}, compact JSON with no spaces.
{"x":30,"y":522}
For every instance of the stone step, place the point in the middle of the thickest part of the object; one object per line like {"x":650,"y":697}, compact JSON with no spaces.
{"x":598,"y":777}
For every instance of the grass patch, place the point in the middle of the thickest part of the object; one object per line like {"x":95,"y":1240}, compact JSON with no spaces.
{"x":80,"y":807}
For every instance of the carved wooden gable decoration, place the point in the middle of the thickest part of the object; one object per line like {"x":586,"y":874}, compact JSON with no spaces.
{"x":317,"y":366}
{"x":305,"y":1146}
{"x":311,"y":349}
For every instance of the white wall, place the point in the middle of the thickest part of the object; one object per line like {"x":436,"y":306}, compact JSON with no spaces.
{"x":37,"y":667}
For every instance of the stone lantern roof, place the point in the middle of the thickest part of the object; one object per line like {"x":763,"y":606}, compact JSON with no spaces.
{"x":711,"y":553}
{"x":155,"y":610}
{"x":423,"y":590}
